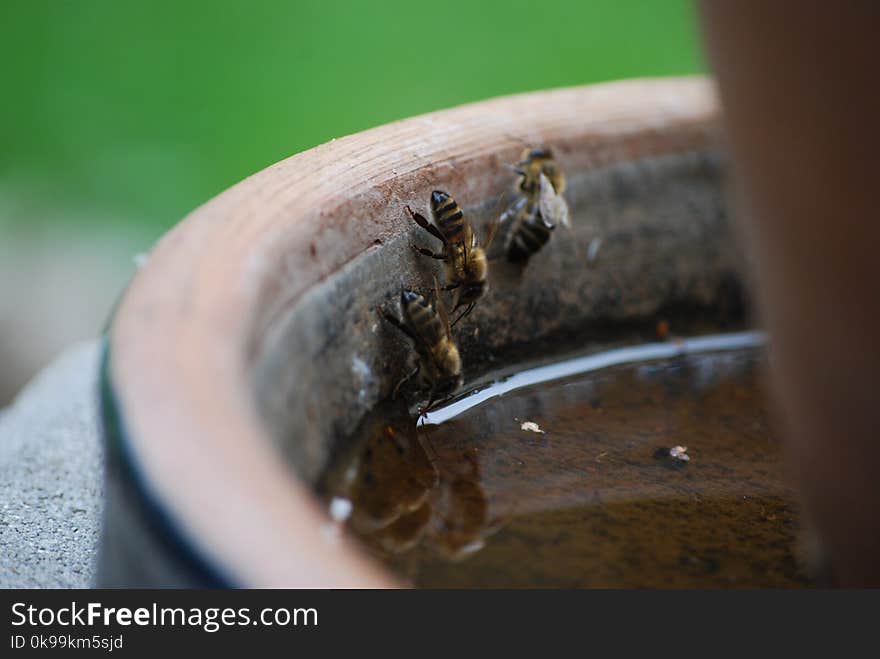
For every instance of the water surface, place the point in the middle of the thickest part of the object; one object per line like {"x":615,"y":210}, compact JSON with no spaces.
{"x":592,"y":500}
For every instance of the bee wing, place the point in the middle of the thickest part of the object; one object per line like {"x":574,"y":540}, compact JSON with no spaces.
{"x":491,"y":232}
{"x":440,"y":308}
{"x":554,"y":208}
{"x":513,"y":210}
{"x":469,"y":243}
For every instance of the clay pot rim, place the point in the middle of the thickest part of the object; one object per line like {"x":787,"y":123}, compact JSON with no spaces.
{"x":186,"y":333}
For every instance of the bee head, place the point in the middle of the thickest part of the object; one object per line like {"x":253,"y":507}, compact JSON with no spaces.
{"x":530,"y":155}
{"x":468,"y":293}
{"x":456,"y":382}
{"x":408,"y":297}
{"x":448,"y":385}
{"x":438,"y":199}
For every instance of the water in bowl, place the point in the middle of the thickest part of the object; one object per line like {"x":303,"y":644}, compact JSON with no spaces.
{"x":660,"y":472}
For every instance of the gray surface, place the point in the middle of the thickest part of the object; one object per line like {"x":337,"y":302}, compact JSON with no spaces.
{"x":51,"y":481}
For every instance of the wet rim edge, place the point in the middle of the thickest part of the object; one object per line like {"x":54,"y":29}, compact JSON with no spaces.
{"x":643,"y":352}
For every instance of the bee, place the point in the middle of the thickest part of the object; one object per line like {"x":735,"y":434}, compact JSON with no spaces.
{"x":467,"y":265}
{"x":539,"y":207}
{"x":426,"y":323}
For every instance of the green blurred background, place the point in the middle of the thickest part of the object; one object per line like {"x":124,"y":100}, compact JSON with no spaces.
{"x":120,"y":117}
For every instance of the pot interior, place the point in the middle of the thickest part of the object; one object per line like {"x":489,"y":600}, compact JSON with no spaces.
{"x":649,"y":242}
{"x":590,"y":495}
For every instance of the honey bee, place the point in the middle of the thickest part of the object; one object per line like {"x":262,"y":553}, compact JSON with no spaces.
{"x":539,"y":207}
{"x":426,"y":323}
{"x":466,"y":263}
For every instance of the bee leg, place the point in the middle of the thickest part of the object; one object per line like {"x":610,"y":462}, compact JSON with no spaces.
{"x":427,"y":226}
{"x":394,"y":321}
{"x":450,"y":287}
{"x":424,"y":410}
{"x":428,"y":252}
{"x":514,"y":209}
{"x":405,"y":378}
{"x":430,"y":451}
{"x":469,"y":308}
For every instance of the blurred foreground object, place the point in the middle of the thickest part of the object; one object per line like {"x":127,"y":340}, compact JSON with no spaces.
{"x":799,"y":89}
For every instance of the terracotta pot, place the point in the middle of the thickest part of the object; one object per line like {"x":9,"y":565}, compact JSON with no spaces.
{"x":248,"y":346}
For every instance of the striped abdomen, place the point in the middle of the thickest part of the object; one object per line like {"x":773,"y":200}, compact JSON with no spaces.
{"x":449,"y":218}
{"x":423,"y":319}
{"x":529,"y":236}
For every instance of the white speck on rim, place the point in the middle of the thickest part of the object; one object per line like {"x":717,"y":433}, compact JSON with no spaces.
{"x":140,"y":259}
{"x":531,"y":426}
{"x":679,"y":453}
{"x":340,"y":509}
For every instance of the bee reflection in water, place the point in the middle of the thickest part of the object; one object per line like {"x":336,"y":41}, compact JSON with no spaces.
{"x":402,"y":496}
